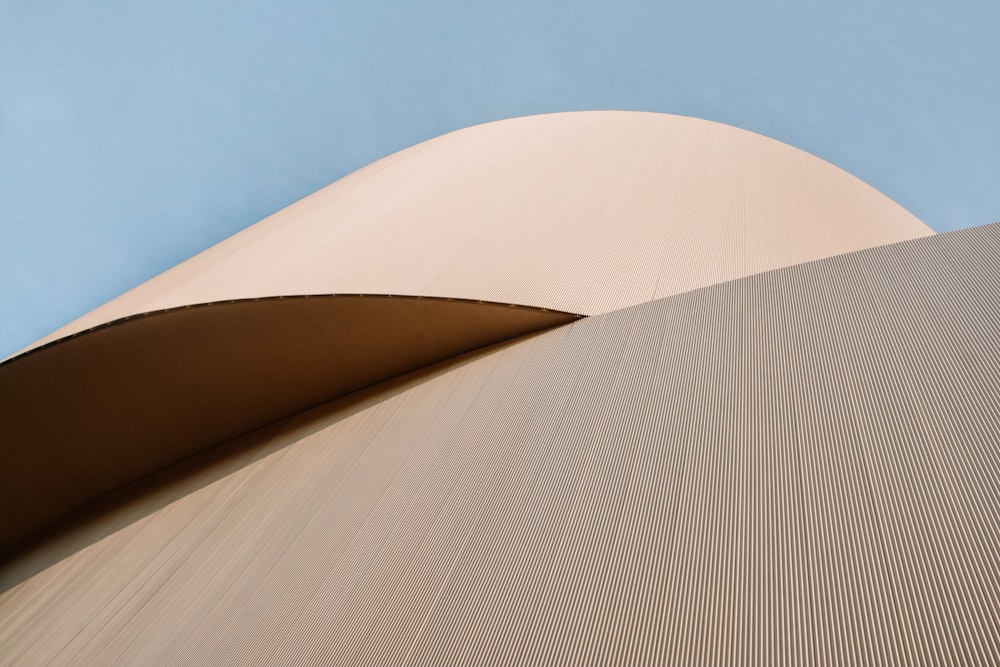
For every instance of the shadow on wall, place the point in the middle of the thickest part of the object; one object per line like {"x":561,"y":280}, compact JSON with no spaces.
{"x":142,"y":497}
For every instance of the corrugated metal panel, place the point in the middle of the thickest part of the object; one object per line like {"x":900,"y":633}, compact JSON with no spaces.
{"x":797,"y":467}
{"x":90,"y":413}
{"x":585,"y":212}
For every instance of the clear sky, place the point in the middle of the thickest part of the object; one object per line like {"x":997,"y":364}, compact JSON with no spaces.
{"x":135,"y":134}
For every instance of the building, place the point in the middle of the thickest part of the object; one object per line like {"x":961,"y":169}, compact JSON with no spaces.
{"x":647,"y":389}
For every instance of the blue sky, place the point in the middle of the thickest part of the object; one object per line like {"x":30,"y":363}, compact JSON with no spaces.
{"x":135,"y":134}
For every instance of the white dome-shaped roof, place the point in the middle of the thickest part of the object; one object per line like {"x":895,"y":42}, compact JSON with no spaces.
{"x":585,"y":212}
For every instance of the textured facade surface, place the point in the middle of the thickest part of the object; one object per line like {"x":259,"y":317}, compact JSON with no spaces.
{"x":92,"y":412}
{"x":796,"y":466}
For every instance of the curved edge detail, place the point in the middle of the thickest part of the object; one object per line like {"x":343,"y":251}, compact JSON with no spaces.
{"x":90,"y":412}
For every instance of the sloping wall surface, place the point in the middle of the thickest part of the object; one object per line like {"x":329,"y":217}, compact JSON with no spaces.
{"x":582,"y":212}
{"x":92,"y":412}
{"x":796,"y":467}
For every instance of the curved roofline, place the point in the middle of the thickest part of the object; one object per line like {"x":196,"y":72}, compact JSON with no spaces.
{"x":642,"y":112}
{"x":585,"y":211}
{"x":210,"y":304}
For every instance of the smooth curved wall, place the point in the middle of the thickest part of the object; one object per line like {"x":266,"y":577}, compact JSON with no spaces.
{"x":584,"y":212}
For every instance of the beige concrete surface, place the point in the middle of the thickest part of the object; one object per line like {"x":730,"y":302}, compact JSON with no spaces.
{"x":584,"y":212}
{"x":799,"y":467}
{"x":90,"y":413}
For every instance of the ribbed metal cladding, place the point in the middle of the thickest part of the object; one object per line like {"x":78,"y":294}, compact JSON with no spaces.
{"x":90,"y":413}
{"x":793,"y":468}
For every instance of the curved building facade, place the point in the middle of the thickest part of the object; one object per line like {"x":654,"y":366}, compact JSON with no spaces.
{"x":650,"y":390}
{"x":582,"y":212}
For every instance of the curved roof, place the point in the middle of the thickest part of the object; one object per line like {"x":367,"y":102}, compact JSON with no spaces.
{"x":787,"y":466}
{"x":783,"y":469}
{"x":584,"y":212}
